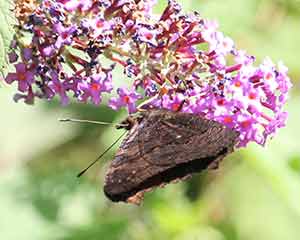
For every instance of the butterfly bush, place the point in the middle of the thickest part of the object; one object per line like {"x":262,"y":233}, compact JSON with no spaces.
{"x":175,"y":61}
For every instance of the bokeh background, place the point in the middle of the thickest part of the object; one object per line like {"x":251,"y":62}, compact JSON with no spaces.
{"x":255,"y":195}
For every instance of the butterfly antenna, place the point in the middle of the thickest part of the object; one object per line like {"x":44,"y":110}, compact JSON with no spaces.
{"x":101,"y":155}
{"x":74,"y":120}
{"x":83,"y":121}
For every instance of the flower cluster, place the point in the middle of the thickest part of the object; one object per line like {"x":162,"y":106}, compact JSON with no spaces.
{"x":176,"y":61}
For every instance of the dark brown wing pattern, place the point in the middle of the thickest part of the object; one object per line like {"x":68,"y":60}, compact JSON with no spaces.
{"x":163,"y":146}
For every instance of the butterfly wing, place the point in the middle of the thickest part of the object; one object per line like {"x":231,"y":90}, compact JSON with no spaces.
{"x":175,"y":138}
{"x":164,"y":146}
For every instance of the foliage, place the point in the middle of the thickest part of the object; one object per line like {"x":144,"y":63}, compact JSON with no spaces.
{"x":6,"y":31}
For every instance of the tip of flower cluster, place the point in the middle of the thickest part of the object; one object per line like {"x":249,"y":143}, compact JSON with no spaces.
{"x":161,"y":56}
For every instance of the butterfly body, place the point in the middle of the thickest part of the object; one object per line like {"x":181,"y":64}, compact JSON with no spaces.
{"x":163,"y":146}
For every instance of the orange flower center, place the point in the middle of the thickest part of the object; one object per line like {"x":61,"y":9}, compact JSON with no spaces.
{"x":126,"y":99}
{"x":245,"y":124}
{"x":221,"y":102}
{"x":163,"y":91}
{"x":175,"y":106}
{"x":252,"y":96}
{"x":95,"y":86}
{"x":64,"y":35}
{"x":237,"y":84}
{"x":21,"y":77}
{"x":99,"y":24}
{"x":149,"y":36}
{"x":228,"y":119}
{"x":269,"y":76}
{"x":58,"y":87}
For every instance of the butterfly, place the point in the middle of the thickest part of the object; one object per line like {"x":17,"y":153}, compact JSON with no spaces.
{"x":162,"y":146}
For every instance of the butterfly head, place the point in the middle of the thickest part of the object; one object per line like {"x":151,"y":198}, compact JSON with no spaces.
{"x":129,"y":122}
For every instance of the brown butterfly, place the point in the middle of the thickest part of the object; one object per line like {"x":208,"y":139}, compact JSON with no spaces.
{"x":163,"y":146}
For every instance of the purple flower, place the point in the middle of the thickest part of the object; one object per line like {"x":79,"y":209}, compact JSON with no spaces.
{"x":242,"y":57}
{"x":147,"y":6}
{"x":65,"y":34}
{"x":173,"y":103}
{"x":73,"y":5}
{"x":98,"y":26}
{"x":284,"y":82}
{"x":47,"y":50}
{"x":58,"y":87}
{"x":12,"y":57}
{"x":146,"y":35}
{"x":267,"y":72}
{"x":209,"y":32}
{"x":94,"y":87}
{"x":278,"y":122}
{"x":227,"y":119}
{"x":225,"y":46}
{"x":181,"y":61}
{"x":27,"y":54}
{"x":126,"y":98}
{"x":28,"y":98}
{"x":248,"y":127}
{"x":24,"y":76}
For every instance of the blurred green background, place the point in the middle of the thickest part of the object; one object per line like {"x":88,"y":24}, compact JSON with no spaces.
{"x":255,"y":195}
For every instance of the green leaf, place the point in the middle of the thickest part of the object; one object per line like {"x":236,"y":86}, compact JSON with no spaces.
{"x":6,"y":31}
